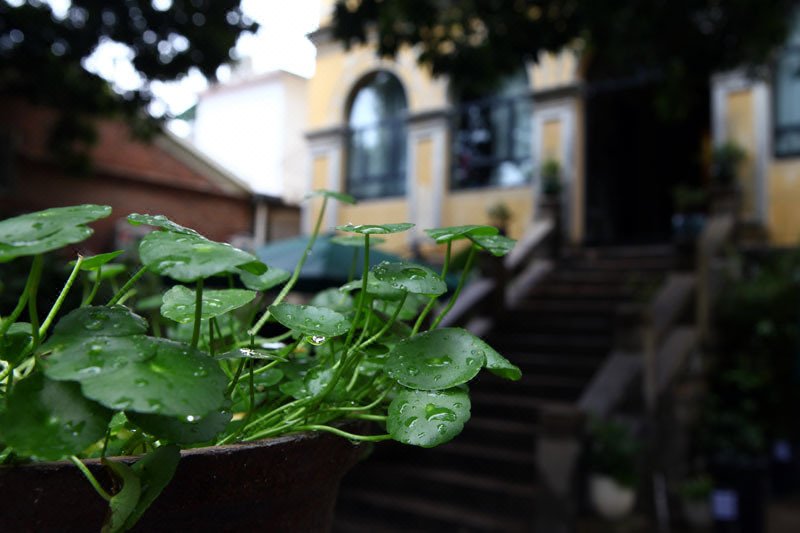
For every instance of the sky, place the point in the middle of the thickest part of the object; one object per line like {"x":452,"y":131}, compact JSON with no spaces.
{"x":280,"y":43}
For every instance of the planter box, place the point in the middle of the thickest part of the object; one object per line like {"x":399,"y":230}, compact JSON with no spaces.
{"x":282,"y":484}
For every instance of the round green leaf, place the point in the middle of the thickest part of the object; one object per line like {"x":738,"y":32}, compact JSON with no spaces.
{"x":150,"y":303}
{"x":14,"y":344}
{"x":376,"y":229}
{"x":452,"y":233}
{"x":311,"y":320}
{"x":411,"y":306}
{"x":437,"y":360}
{"x":264,"y":282}
{"x":180,"y":431}
{"x":248,"y":353}
{"x":116,"y":321}
{"x":105,"y":349}
{"x":355,"y":240}
{"x":179,"y":303}
{"x":333,"y":299}
{"x":342,"y":197}
{"x":155,"y":470}
{"x":497,"y":245}
{"x":50,"y":420}
{"x":159,"y":221}
{"x":187,"y":257}
{"x":175,"y":381}
{"x":295,"y":388}
{"x":107,"y":272}
{"x":415,"y":279}
{"x":382,"y":290}
{"x":500,"y":366}
{"x":43,"y":231}
{"x":255,"y":268}
{"x":428,"y":418}
{"x":96,"y":261}
{"x":123,"y":502}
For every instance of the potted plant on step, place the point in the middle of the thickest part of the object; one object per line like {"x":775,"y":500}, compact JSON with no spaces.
{"x":613,"y":461}
{"x":249,"y":411}
{"x":725,"y":190}
{"x":695,"y":495}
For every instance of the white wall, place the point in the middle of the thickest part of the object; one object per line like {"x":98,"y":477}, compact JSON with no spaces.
{"x":255,"y":128}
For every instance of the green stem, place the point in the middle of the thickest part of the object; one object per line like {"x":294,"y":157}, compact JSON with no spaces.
{"x":198,"y":312}
{"x":296,"y":274}
{"x":367,"y":407}
{"x":461,"y":280}
{"x":98,"y":274}
{"x":9,"y":381}
{"x":362,"y":295}
{"x":120,"y":293}
{"x":345,"y":434}
{"x":21,"y":303}
{"x":433,"y":299}
{"x":236,"y":376}
{"x":61,"y":297}
{"x":386,"y":326}
{"x":89,"y":476}
{"x":372,"y":418}
{"x":33,"y":313}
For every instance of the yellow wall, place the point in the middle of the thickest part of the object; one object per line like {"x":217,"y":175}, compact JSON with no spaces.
{"x":741,"y":130}
{"x":551,"y":141}
{"x":379,"y":212}
{"x":554,"y":70}
{"x":339,"y":71}
{"x":471,"y":207}
{"x":784,"y":202}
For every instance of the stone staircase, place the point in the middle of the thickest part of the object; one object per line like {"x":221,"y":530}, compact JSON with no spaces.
{"x":559,"y":334}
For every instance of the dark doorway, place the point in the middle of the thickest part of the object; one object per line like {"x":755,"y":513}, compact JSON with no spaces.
{"x":635,"y":156}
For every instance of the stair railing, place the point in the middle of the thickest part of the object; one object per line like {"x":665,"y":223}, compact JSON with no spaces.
{"x":485,"y":297}
{"x":718,"y":232}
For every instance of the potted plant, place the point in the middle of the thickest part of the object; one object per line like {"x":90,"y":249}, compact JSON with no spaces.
{"x":725,"y":192}
{"x":695,"y":495}
{"x":499,"y":216}
{"x":613,"y":456}
{"x":551,"y":201}
{"x":252,"y":406}
{"x":551,"y":178}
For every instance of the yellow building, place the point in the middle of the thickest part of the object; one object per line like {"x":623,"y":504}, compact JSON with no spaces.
{"x":383,"y":131}
{"x":762,"y":115}
{"x":409,"y":149}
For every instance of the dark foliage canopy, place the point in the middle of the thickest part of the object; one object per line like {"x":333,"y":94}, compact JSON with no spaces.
{"x":41,"y":56}
{"x":679,"y":40}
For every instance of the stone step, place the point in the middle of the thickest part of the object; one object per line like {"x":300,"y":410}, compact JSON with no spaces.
{"x":481,"y":492}
{"x":553,"y":343}
{"x":387,"y":510}
{"x":552,"y":363}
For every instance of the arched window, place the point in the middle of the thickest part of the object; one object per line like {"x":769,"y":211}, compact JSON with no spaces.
{"x":376,"y":155}
{"x":787,"y":95}
{"x":492,"y":136}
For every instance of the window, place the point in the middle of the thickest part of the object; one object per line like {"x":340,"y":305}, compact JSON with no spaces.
{"x":376,"y":155}
{"x":787,"y":95}
{"x":492,"y":138}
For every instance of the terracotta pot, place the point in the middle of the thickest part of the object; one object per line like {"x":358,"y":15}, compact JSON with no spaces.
{"x":610,"y":499}
{"x":282,"y":484}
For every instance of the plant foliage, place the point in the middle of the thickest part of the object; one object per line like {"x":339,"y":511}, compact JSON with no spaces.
{"x":104,"y":380}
